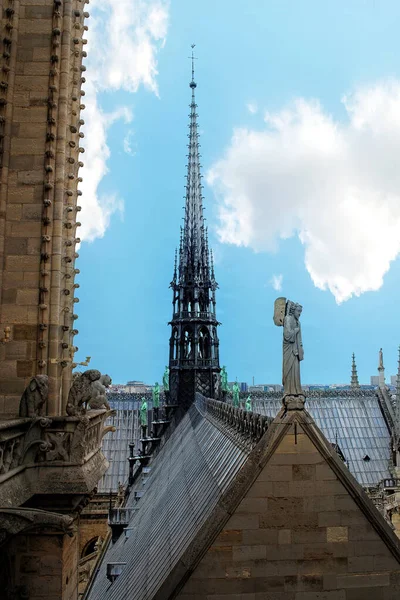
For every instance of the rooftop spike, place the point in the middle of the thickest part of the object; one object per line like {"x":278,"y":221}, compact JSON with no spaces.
{"x":354,"y":377}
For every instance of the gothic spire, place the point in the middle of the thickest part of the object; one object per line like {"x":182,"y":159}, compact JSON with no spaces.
{"x":354,"y":377}
{"x":194,"y":255}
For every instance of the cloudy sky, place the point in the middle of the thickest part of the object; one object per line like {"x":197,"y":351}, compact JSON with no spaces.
{"x":299,"y":113}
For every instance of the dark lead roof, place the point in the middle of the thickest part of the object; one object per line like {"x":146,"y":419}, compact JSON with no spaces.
{"x":187,"y":479}
{"x":352,"y":419}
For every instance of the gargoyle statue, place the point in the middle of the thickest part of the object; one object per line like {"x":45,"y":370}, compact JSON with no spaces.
{"x":34,"y":397}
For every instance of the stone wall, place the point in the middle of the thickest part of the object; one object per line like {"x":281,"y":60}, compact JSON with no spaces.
{"x":40,"y":103}
{"x":298,"y":534}
{"x":43,"y":567}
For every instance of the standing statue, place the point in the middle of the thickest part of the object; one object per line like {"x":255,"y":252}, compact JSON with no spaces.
{"x":224,"y":379}
{"x":165,"y":379}
{"x":249,"y":403}
{"x":156,"y":400}
{"x":235,"y":391}
{"x":34,"y":397}
{"x":287,"y":313}
{"x":143,"y":417}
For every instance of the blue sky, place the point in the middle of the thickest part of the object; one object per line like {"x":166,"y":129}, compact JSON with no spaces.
{"x":300,"y":183}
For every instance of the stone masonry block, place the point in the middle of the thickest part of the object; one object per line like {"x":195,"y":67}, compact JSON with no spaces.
{"x":245,"y":553}
{"x":260,"y":536}
{"x":276,"y":473}
{"x":337,"y":534}
{"x":324,"y":472}
{"x":229,"y":537}
{"x":353,"y":580}
{"x":243,"y":522}
{"x":16,"y":245}
{"x":9,"y":296}
{"x":284,"y":536}
{"x":252,"y":505}
{"x":303,"y":472}
{"x":25,"y":368}
{"x":305,"y":458}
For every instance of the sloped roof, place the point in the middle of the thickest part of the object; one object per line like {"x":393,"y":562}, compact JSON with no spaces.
{"x":198,"y":479}
{"x":188,"y":477}
{"x":352,"y":419}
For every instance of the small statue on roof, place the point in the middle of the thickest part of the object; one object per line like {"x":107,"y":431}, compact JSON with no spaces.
{"x":165,"y":379}
{"x":249,"y":403}
{"x":143,"y":417}
{"x":156,"y":400}
{"x":224,"y":379}
{"x":235,"y":391}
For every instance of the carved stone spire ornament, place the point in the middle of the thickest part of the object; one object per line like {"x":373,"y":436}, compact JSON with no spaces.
{"x":354,"y":384}
{"x":381,"y":371}
{"x":194,"y":345}
{"x":287,"y":315}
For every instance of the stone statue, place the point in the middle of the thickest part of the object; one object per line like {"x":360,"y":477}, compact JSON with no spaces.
{"x":165,"y":379}
{"x":99,"y":398}
{"x":88,"y":389}
{"x":380,"y":365}
{"x":34,"y":397}
{"x":235,"y":391}
{"x":293,"y":351}
{"x":224,"y":379}
{"x":249,"y":404}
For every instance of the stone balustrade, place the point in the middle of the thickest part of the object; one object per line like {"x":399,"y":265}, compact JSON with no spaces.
{"x":47,"y":454}
{"x":248,"y":427}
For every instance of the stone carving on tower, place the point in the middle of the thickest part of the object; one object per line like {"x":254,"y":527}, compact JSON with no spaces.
{"x":354,"y":384}
{"x":194,"y":345}
{"x":381,"y":371}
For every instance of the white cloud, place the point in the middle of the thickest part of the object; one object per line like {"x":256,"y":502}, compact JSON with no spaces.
{"x":123,"y":41}
{"x":276,"y":282}
{"x":252,"y":107}
{"x":127,"y":143}
{"x":335,"y":185}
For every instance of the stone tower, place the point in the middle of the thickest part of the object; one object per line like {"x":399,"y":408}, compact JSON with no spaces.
{"x":50,"y":463}
{"x":194,"y":345}
{"x":40,"y":156}
{"x":354,"y":376}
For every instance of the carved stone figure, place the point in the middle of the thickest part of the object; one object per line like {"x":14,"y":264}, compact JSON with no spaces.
{"x":99,"y":397}
{"x":156,"y":400}
{"x":293,"y":352}
{"x":34,"y":397}
{"x":83,"y":390}
{"x":166,"y":379}
{"x":224,"y":379}
{"x":249,"y":403}
{"x":235,"y":391}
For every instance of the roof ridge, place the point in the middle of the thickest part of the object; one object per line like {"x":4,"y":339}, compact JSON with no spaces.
{"x":243,"y":427}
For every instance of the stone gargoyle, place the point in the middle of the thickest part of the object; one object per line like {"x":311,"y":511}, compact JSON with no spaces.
{"x":34,"y":398}
{"x":88,"y":390}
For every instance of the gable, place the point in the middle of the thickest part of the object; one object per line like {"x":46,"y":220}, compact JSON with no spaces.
{"x":304,"y":530}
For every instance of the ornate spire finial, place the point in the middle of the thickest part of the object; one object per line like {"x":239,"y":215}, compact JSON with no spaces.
{"x":354,"y":376}
{"x":193,"y":84}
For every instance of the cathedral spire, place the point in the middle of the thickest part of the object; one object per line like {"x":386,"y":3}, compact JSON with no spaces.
{"x":194,"y":257}
{"x":354,"y":377}
{"x":194,"y":344}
